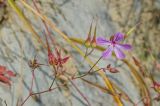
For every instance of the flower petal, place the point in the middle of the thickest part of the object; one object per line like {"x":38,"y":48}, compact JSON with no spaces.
{"x":124,"y":46}
{"x":118,"y":36}
{"x":102,"y":41}
{"x":107,"y":53}
{"x":119,"y":53}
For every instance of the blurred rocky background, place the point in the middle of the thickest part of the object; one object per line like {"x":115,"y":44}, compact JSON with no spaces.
{"x":74,"y":17}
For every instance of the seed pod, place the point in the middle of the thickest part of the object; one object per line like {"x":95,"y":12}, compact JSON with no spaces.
{"x":93,"y":42}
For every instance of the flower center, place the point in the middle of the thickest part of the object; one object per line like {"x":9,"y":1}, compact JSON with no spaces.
{"x":113,"y":43}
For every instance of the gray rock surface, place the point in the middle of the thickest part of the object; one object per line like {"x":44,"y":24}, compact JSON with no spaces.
{"x":74,"y":17}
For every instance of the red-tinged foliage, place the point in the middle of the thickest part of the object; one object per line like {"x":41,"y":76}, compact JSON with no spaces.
{"x":88,"y":40}
{"x":51,"y":58}
{"x":146,"y":101}
{"x":157,"y":98}
{"x":140,"y":66}
{"x":58,"y":60}
{"x":136,"y":61}
{"x":156,"y":85}
{"x":5,"y":75}
{"x":64,"y":60}
{"x":93,"y":42}
{"x":5,"y":79}
{"x":2,"y":68}
{"x":10,"y":73}
{"x":111,"y":69}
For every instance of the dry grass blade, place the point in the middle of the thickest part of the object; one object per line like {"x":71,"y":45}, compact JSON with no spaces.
{"x":26,"y":22}
{"x":143,"y":86}
{"x":104,"y":89}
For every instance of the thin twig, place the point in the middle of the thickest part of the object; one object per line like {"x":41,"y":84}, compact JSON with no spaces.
{"x":89,"y":69}
{"x":80,"y":93}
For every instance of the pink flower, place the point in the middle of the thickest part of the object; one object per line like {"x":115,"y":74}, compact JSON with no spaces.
{"x":114,"y":45}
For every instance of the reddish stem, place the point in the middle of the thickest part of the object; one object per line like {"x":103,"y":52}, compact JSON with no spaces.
{"x":45,"y":25}
{"x":25,"y":100}
{"x":80,"y":93}
{"x":30,"y":90}
{"x":52,"y":82}
{"x":33,"y":76}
